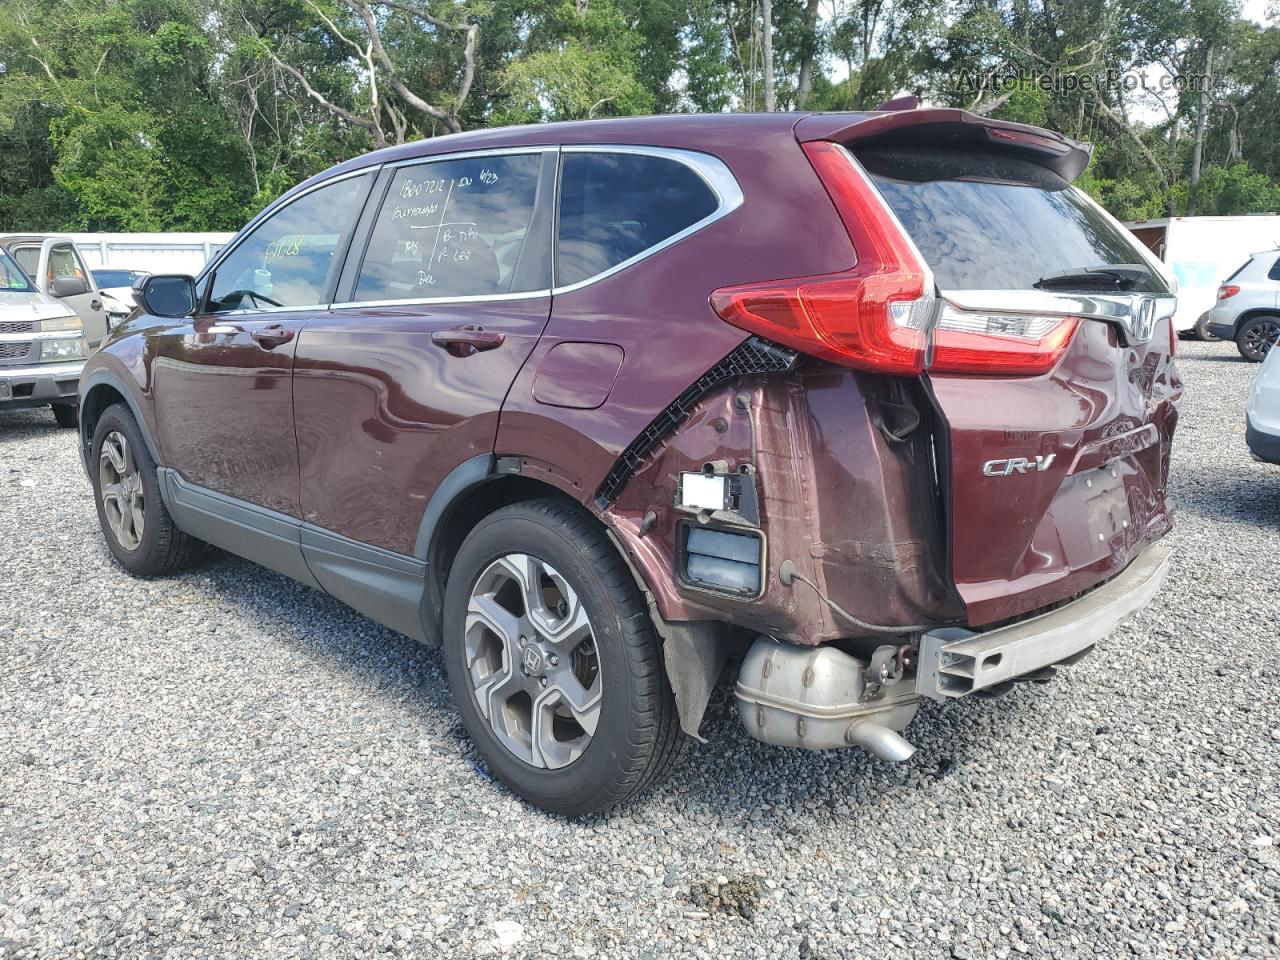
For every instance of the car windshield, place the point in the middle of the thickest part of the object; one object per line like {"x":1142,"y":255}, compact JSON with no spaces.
{"x":993,"y":222}
{"x":11,"y":275}
{"x":112,"y":277}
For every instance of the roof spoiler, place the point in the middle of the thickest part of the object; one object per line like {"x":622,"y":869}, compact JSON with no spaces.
{"x":947,"y":127}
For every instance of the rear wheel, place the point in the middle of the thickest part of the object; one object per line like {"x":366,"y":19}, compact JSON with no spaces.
{"x":138,"y":529}
{"x":1256,"y":336}
{"x":554,"y":663}
{"x":1202,"y":330}
{"x":67,"y":414}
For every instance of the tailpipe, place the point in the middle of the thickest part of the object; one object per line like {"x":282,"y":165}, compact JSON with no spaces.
{"x":884,"y":743}
{"x":817,"y":698}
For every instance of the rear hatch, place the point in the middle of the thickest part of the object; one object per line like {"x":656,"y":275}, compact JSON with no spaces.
{"x":1052,"y":367}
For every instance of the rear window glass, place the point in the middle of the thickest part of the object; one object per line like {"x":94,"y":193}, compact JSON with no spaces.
{"x":1274,"y":272}
{"x":989,"y":222}
{"x":614,"y":206}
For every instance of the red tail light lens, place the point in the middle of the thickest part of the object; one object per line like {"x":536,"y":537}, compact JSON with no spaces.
{"x":967,"y":341}
{"x":874,"y":316}
{"x":1227,"y":291}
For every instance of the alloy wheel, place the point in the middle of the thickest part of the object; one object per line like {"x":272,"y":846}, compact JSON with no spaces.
{"x":1260,"y":337}
{"x":120,"y":486}
{"x":532,"y":662}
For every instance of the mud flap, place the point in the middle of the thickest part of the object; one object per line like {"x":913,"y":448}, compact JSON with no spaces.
{"x":695,"y":652}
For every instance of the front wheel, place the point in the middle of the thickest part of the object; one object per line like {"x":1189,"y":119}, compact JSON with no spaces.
{"x":1255,"y":337}
{"x":135,"y":522}
{"x":554,"y":663}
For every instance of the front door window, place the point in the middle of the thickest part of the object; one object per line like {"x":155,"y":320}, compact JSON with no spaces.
{"x":288,"y":260}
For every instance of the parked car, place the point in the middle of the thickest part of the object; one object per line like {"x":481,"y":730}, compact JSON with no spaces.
{"x":1262,"y":417}
{"x":42,"y":347}
{"x":1248,"y":308}
{"x":1200,"y":252}
{"x":117,"y":291}
{"x":59,"y":271}
{"x":545,"y":396}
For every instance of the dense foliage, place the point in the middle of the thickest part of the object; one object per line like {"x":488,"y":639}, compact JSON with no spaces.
{"x":191,"y":114}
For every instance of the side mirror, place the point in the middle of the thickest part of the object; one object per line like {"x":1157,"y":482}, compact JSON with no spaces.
{"x":167,"y":295}
{"x":69,"y":286}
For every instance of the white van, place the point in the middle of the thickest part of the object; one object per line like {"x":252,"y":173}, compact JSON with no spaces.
{"x":1201,"y":253}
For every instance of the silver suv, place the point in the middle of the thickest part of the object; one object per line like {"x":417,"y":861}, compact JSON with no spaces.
{"x":1248,"y":307}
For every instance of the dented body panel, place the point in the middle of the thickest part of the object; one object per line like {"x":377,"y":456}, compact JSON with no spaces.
{"x":855,"y":511}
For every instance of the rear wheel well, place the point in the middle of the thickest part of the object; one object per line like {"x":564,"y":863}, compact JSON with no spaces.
{"x":459,"y":520}
{"x":1253,"y":315}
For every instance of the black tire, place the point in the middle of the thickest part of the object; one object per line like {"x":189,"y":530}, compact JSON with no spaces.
{"x":637,"y":739}
{"x":67,"y":414}
{"x":1255,"y":337}
{"x":1202,"y":330}
{"x":162,"y":549}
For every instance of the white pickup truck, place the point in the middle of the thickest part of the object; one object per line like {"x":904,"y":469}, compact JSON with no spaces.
{"x":59,"y":270}
{"x":42,"y":346}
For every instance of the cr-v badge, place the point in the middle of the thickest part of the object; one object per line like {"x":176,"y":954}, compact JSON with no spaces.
{"x":1003,"y":468}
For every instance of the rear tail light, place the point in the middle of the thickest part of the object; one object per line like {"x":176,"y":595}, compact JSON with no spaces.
{"x":879,"y":314}
{"x":966,"y":341}
{"x":1227,"y":291}
{"x":873,"y":316}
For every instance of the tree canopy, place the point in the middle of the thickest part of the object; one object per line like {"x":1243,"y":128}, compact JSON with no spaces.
{"x":193,"y":114}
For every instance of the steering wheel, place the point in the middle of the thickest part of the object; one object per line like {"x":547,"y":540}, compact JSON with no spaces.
{"x":253,"y":295}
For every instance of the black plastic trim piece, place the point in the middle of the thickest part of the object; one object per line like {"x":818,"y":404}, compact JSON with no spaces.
{"x":753,"y":356}
{"x":383,"y":585}
{"x":462,"y":478}
{"x":104,"y":377}
{"x":264,"y":536}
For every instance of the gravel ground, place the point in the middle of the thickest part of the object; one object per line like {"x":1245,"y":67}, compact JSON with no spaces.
{"x":226,"y":764}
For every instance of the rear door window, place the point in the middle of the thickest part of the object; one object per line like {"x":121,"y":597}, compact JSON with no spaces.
{"x":616,"y":206}
{"x":288,"y":259}
{"x":1274,"y":272}
{"x":991,"y":222}
{"x":471,"y":227}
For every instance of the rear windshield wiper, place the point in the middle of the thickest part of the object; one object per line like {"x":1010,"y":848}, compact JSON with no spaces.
{"x":1117,"y":276}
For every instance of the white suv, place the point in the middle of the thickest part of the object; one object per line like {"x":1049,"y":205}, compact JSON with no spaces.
{"x":1248,"y":307}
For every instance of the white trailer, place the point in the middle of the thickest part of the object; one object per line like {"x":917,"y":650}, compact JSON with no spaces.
{"x":1201,"y":252}
{"x":152,"y":252}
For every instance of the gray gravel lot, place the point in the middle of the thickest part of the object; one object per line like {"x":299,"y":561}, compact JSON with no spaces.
{"x":227,"y":764}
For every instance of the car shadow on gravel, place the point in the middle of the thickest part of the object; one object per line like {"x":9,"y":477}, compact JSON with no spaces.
{"x":729,"y":771}
{"x":723,"y":774}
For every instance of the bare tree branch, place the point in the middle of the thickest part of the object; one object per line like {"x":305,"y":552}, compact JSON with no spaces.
{"x":393,"y":75}
{"x":379,"y":138}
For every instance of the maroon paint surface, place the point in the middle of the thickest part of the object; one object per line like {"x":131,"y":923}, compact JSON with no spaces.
{"x":383,"y":413}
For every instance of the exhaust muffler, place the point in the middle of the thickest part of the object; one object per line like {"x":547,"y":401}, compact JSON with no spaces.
{"x":817,"y":698}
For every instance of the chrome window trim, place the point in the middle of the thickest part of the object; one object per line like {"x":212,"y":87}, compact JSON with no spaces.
{"x":263,"y":311}
{"x":428,"y":301}
{"x":711,"y":170}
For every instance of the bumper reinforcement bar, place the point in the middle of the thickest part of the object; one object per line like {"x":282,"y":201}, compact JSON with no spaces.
{"x":955,"y":662}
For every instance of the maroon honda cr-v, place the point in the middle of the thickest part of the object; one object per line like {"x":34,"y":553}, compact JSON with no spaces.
{"x":875,"y":406}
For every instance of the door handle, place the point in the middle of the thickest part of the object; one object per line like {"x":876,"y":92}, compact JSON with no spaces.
{"x":272,"y":336}
{"x":467,"y":339}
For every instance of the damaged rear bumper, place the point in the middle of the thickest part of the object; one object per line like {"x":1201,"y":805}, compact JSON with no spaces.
{"x":954,"y":662}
